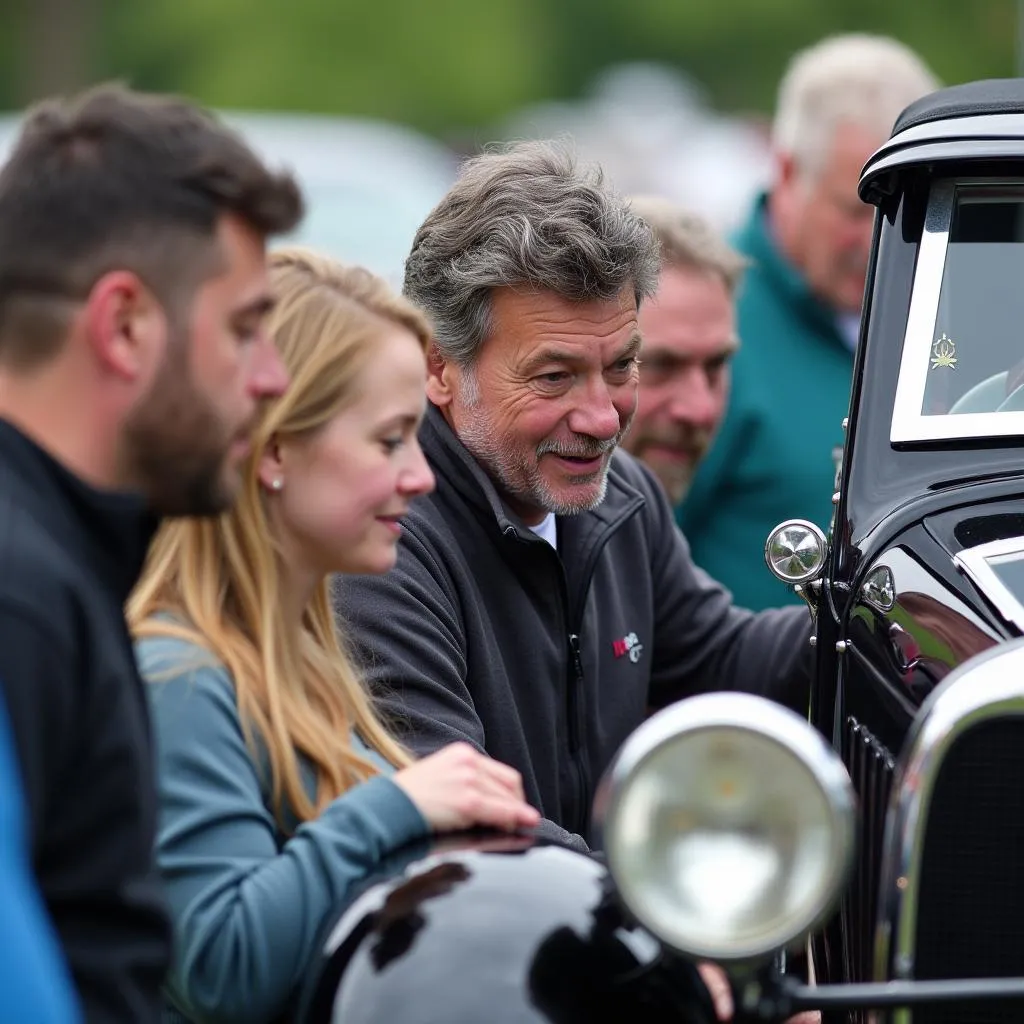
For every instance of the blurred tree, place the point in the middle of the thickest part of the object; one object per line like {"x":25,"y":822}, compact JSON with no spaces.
{"x":738,"y":49}
{"x":434,"y":65}
{"x":54,"y":48}
{"x":462,"y":65}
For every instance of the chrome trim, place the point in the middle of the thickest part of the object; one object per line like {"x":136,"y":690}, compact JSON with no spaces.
{"x":751,"y":714}
{"x":908,"y":423}
{"x":952,"y":138}
{"x":879,"y":589}
{"x":876,"y":184}
{"x":974,"y":126}
{"x":989,"y":685}
{"x":913,"y":575}
{"x":811,"y":594}
{"x":975,"y":564}
{"x":924,"y":309}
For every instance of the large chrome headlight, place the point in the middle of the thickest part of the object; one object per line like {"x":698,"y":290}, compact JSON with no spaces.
{"x":728,"y":825}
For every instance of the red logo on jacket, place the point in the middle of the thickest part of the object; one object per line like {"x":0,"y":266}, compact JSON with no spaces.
{"x":629,"y":644}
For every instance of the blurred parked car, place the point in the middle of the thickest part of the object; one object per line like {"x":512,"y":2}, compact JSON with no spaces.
{"x":369,"y":184}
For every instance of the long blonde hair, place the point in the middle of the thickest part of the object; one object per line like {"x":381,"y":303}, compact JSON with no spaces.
{"x":216,"y":582}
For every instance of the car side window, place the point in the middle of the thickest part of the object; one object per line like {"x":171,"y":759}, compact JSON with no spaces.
{"x":962,"y":370}
{"x":976,"y":362}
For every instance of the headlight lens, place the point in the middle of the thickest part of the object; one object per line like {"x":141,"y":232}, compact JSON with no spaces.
{"x":728,"y":826}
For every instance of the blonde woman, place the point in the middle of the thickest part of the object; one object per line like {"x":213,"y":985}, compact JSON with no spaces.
{"x":279,"y":788}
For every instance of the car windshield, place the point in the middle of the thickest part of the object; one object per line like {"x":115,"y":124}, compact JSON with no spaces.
{"x":962,"y":373}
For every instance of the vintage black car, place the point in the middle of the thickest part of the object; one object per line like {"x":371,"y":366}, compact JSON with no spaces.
{"x":924,"y":567}
{"x":884,"y":830}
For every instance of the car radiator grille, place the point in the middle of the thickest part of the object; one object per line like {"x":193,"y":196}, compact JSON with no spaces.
{"x":870,"y":765}
{"x":971,"y":895}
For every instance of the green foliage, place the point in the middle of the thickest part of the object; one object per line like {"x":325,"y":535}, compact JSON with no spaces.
{"x":462,"y":65}
{"x":428,"y":64}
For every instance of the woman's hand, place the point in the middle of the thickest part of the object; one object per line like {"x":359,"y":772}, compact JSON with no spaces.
{"x":458,"y":788}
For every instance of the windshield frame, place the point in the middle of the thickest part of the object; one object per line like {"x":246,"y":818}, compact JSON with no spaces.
{"x":909,"y":424}
{"x":977,"y":564}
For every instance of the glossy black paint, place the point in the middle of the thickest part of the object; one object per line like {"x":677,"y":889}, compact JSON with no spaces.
{"x":503,"y":931}
{"x":931,"y":629}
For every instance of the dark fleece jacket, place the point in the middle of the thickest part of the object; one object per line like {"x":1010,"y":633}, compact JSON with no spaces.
{"x":548,"y":660}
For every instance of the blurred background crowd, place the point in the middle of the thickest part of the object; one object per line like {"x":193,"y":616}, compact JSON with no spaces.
{"x":375,"y":103}
{"x":374,"y":106}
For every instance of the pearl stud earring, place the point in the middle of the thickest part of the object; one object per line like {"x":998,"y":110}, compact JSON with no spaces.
{"x":276,"y":484}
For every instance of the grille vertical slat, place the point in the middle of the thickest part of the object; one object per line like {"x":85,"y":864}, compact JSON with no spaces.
{"x":863,"y":789}
{"x":884,"y":766}
{"x":870,"y":765}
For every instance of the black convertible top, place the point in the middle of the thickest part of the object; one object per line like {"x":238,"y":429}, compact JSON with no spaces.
{"x":992,"y":96}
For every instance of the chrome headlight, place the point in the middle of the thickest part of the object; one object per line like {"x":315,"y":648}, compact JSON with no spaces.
{"x":796,"y":551}
{"x":728,"y":825}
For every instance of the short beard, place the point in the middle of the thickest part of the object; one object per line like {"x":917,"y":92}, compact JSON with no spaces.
{"x":676,"y":482}
{"x":174,"y":444}
{"x":515,"y":474}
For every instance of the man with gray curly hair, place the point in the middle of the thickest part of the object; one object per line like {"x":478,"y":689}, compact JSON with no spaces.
{"x":798,"y":312}
{"x":572,"y":261}
{"x":543,"y":599}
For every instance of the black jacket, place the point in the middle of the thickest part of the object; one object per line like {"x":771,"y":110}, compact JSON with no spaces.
{"x":69,"y":556}
{"x":549,"y":660}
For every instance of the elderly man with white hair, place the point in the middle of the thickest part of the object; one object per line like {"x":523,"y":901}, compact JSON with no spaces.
{"x":798,"y":309}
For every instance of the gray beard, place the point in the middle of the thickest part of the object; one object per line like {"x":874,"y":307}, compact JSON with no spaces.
{"x":521,"y":478}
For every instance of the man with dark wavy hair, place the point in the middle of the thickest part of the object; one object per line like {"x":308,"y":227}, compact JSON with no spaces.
{"x":132,"y":361}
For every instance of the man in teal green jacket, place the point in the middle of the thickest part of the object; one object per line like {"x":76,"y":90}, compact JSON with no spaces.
{"x":798,"y":310}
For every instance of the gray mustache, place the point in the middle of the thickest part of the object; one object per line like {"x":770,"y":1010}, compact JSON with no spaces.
{"x":589,"y":450}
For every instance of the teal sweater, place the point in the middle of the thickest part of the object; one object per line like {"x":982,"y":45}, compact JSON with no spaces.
{"x":772,"y":459}
{"x":248,"y":903}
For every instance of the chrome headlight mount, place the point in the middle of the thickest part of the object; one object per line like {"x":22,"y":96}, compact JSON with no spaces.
{"x":729,"y":827}
{"x":796,"y":552}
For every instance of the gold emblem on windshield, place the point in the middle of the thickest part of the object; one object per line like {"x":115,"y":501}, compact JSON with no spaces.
{"x":944,"y":353}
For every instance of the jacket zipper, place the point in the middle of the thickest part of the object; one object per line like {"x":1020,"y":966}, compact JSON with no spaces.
{"x":575,"y":694}
{"x":577,"y":740}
